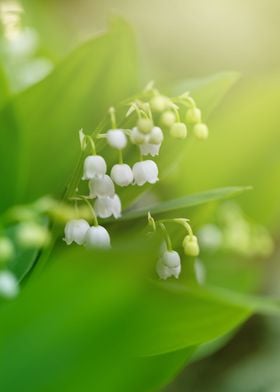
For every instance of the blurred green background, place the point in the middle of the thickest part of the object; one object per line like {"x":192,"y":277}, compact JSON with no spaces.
{"x":180,"y":40}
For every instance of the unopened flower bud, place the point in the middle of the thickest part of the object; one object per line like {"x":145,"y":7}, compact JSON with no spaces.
{"x":97,"y":237}
{"x":190,"y":245}
{"x":94,"y":166}
{"x":193,"y":116}
{"x":145,"y":171}
{"x":145,"y":125}
{"x":75,"y":231}
{"x":122,"y":174}
{"x":137,"y":137}
{"x":178,"y":130}
{"x":108,"y":206}
{"x":6,"y":249}
{"x":116,"y":138}
{"x":200,"y":131}
{"x":167,"y":119}
{"x":159,"y":103}
{"x":101,"y":187}
{"x":32,"y":235}
{"x":8,"y":284}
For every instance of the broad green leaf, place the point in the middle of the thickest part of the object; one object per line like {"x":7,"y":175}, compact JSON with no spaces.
{"x":47,"y":116}
{"x":157,"y":371}
{"x":91,"y":311}
{"x":185,"y":202}
{"x":182,"y":316}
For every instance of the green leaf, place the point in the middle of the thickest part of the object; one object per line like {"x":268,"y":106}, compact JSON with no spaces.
{"x":179,"y":316}
{"x":185,"y":202}
{"x":88,"y":313}
{"x":46,"y":118}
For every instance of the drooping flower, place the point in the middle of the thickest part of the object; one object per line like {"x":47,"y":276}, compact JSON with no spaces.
{"x":108,"y":206}
{"x":149,"y":149}
{"x":201,"y":131}
{"x":122,"y":174}
{"x":145,"y":171}
{"x":168,"y":265}
{"x":145,"y":125}
{"x":116,"y":138}
{"x":94,"y":167}
{"x":75,"y":231}
{"x":178,"y":130}
{"x":8,"y":284}
{"x":6,"y":249}
{"x":159,"y":103}
{"x":137,"y":137}
{"x":101,"y":187}
{"x":32,"y":235}
{"x":156,"y":136}
{"x":193,"y":116}
{"x":97,"y":237}
{"x":152,"y":144}
{"x":168,"y":118}
{"x":190,"y":245}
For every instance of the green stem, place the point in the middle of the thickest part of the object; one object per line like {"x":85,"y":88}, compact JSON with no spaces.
{"x":120,"y":157}
{"x":112,"y":113}
{"x":152,"y":222}
{"x":92,"y":144}
{"x":166,"y":237}
{"x":94,"y":217}
{"x":181,"y":221}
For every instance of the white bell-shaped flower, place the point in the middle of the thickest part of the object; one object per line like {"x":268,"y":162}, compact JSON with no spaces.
{"x":137,"y":137}
{"x":108,"y":206}
{"x":116,"y":138}
{"x":94,"y":166}
{"x":145,"y":171}
{"x":152,"y":143}
{"x":75,"y":231}
{"x":149,"y":149}
{"x":97,"y":237}
{"x":168,"y":265}
{"x":8,"y":284}
{"x":156,"y":136}
{"x":171,"y":258}
{"x":122,"y":174}
{"x":101,"y":187}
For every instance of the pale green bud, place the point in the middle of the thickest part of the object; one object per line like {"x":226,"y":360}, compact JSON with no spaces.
{"x":6,"y":249}
{"x":159,"y":103}
{"x":168,"y":118}
{"x":32,"y":235}
{"x":190,"y":245}
{"x":200,"y":131}
{"x":178,"y":130}
{"x":145,"y":125}
{"x":193,"y":116}
{"x":137,"y":137}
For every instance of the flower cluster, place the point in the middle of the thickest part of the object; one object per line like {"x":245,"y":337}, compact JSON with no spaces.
{"x":150,"y":118}
{"x":169,"y":262}
{"x":22,"y":228}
